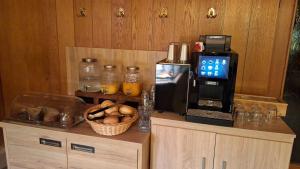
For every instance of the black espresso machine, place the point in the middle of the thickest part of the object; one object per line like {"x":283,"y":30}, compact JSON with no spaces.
{"x":212,"y":85}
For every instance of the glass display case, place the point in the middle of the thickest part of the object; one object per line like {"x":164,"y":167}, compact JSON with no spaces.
{"x":47,"y":110}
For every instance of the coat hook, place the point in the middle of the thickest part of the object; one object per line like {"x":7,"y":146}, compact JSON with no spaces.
{"x":82,"y":12}
{"x":211,"y":13}
{"x":121,"y":12}
{"x":163,"y":13}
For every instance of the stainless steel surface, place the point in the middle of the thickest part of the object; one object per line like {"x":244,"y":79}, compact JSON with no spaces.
{"x":49,"y":142}
{"x":82,"y":148}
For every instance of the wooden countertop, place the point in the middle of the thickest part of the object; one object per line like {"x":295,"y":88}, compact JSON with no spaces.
{"x":278,"y":130}
{"x":132,"y":135}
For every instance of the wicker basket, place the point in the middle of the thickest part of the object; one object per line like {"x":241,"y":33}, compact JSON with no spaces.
{"x":109,"y":129}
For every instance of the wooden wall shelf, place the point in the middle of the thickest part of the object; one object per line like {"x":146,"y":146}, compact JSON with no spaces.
{"x":97,"y":97}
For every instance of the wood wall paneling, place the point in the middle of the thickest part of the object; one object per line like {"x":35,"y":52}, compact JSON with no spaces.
{"x":102,"y":23}
{"x":280,"y":57}
{"x":260,"y":47}
{"x":236,"y":23}
{"x":146,"y":60}
{"x":142,"y":19}
{"x":29,"y":52}
{"x":213,"y":25}
{"x":83,"y":25}
{"x":65,"y":33}
{"x":187,"y":20}
{"x":121,"y":26}
{"x":163,"y":28}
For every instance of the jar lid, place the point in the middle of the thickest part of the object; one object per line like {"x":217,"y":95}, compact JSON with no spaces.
{"x":109,"y":66}
{"x":89,"y":60}
{"x":132,"y":68}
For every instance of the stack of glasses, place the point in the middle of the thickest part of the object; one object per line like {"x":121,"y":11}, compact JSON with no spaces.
{"x":146,"y":109}
{"x":255,"y":114}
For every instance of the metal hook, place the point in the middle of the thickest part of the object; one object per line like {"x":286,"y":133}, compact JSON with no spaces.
{"x":211,"y":13}
{"x":82,"y":12}
{"x":121,"y":12}
{"x":163,"y":13}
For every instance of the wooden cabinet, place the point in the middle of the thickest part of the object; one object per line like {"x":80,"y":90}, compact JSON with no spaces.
{"x":233,"y":152}
{"x":32,"y":148}
{"x":90,"y":153}
{"x":176,"y":148}
{"x":81,"y":148}
{"x":177,"y":144}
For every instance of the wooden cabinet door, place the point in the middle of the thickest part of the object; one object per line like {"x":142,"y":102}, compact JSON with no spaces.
{"x":30,"y":148}
{"x":94,"y":153}
{"x":176,"y":148}
{"x":247,"y":153}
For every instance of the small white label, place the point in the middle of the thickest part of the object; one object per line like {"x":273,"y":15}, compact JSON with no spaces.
{"x":211,"y":83}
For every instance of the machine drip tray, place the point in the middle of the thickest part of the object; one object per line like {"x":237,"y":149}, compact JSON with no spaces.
{"x":210,"y":117}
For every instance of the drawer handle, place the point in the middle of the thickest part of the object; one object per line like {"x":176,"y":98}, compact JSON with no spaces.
{"x":203,"y":163}
{"x":49,"y":142}
{"x":224,"y":165}
{"x":83,"y":148}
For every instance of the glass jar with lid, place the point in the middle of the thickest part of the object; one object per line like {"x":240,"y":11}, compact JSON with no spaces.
{"x":109,"y":83}
{"x":89,"y":75}
{"x":132,"y":81}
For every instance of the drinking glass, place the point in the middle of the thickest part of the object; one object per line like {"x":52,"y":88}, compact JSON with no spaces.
{"x":144,"y":121}
{"x":272,"y":109}
{"x":258,"y":118}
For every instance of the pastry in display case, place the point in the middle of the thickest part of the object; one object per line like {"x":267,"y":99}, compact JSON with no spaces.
{"x":48,"y":110}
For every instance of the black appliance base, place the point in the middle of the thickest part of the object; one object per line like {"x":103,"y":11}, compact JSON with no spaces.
{"x":206,"y":120}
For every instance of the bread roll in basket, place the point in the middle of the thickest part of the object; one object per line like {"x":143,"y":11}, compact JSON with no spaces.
{"x":110,"y":129}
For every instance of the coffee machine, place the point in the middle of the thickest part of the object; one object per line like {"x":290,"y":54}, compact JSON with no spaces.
{"x":212,"y":84}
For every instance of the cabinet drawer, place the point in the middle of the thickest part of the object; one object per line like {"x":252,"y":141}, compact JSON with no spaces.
{"x":36,"y":139}
{"x":31,"y":158}
{"x":91,"y":153}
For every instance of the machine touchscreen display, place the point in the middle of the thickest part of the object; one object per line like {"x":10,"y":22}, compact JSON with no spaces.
{"x":213,"y":67}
